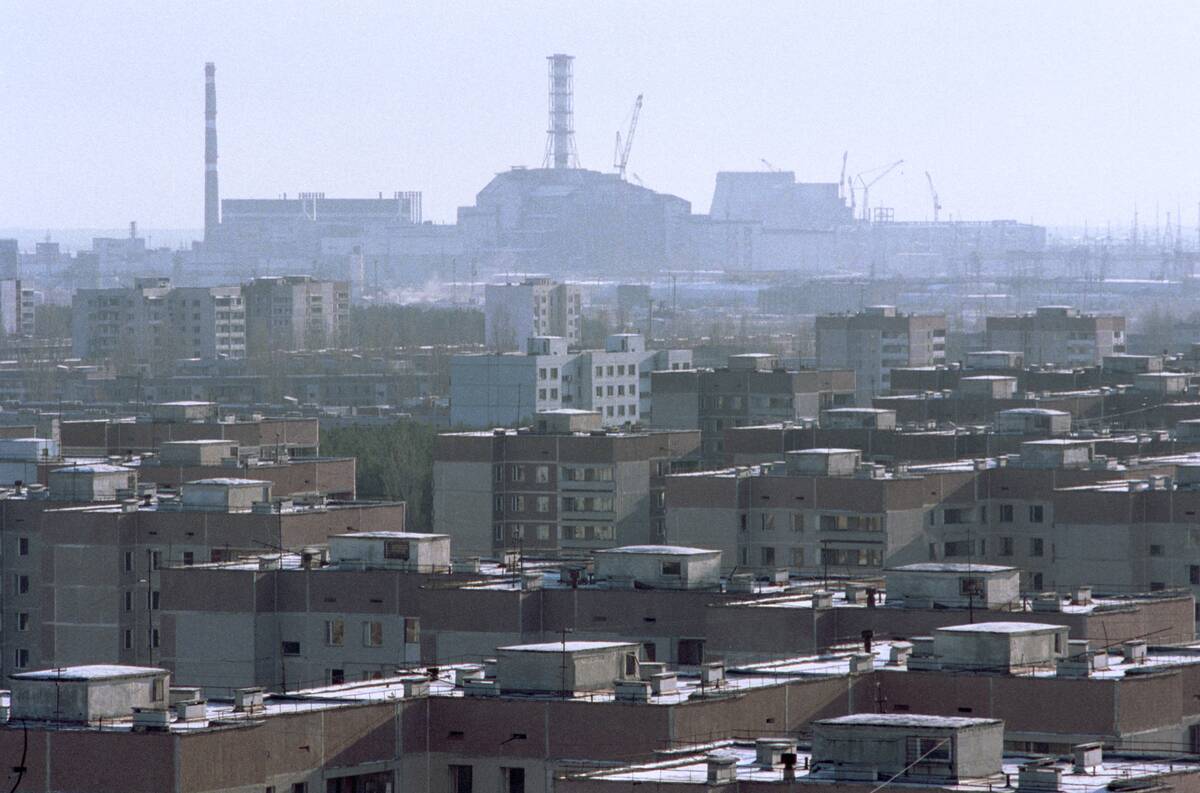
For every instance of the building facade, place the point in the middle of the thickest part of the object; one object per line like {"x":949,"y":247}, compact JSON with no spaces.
{"x":535,"y":307}
{"x":1058,"y":335}
{"x":877,"y":340}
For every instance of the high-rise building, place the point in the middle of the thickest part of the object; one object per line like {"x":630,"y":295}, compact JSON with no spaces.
{"x":563,"y":488}
{"x":153,"y":320}
{"x":753,"y":389}
{"x":875,"y":341}
{"x":295,"y":312}
{"x":497,"y":390}
{"x":535,"y":307}
{"x":1058,"y":335}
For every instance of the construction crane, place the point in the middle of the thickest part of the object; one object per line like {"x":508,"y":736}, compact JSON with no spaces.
{"x":621,"y":153}
{"x":937,"y":205}
{"x":770,"y":167}
{"x":842,"y":179}
{"x":866,"y":186}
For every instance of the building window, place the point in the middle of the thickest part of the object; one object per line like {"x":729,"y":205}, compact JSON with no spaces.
{"x":1006,"y":546}
{"x":336,"y":677}
{"x":189,"y":558}
{"x":1036,"y":546}
{"x":155,"y":560}
{"x":514,"y":778}
{"x":129,"y":561}
{"x":767,"y":556}
{"x":542,"y":474}
{"x":1156,"y":550}
{"x":1036,"y":513}
{"x":767,"y":521}
{"x":672,"y":568}
{"x":128,"y":640}
{"x":954,"y":516}
{"x":372,"y":634}
{"x":518,"y":503}
{"x":291,"y":648}
{"x":335,"y":632}
{"x":1037,"y":581}
{"x":129,"y":601}
{"x":22,"y":621}
{"x":154,"y":600}
{"x":797,"y":557}
{"x":154,"y":637}
{"x":517,"y":472}
{"x":22,"y":584}
{"x":798,"y":521}
{"x":412,"y":630}
{"x":20,"y":658}
{"x":396,"y":549}
{"x":543,"y":503}
{"x":22,"y":546}
{"x":461,"y":779}
{"x":1194,"y":573}
{"x":543,"y":531}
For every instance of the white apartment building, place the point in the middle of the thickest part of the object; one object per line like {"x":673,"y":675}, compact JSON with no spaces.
{"x":498,"y":390}
{"x":535,"y":307}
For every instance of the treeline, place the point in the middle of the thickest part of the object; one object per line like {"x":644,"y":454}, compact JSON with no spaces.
{"x":386,"y":327}
{"x":395,"y":463}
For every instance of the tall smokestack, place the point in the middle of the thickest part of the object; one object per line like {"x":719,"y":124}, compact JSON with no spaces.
{"x":212,"y":198}
{"x":560,"y":137}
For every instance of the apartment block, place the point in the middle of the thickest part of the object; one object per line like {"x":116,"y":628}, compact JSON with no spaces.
{"x":753,"y":389}
{"x":535,"y":307}
{"x":295,"y":312}
{"x":1058,"y":335}
{"x":490,"y":390}
{"x":563,"y":487}
{"x":81,"y":579}
{"x":155,"y":321}
{"x":875,"y":341}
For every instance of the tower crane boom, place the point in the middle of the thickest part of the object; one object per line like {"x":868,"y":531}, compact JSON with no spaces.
{"x":937,"y":205}
{"x":621,"y":153}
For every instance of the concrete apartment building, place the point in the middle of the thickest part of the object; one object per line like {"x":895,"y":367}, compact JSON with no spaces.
{"x":295,"y":312}
{"x":1058,"y":335}
{"x":822,"y":511}
{"x":153,"y":320}
{"x":492,"y":390}
{"x":81,"y":578}
{"x":347,"y":614}
{"x":193,"y":420}
{"x":567,"y":708}
{"x":512,"y":313}
{"x":875,"y":341}
{"x":16,"y":308}
{"x":752,"y":389}
{"x":563,"y":487}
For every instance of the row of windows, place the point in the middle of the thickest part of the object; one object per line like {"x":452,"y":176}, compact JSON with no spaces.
{"x":954,"y":516}
{"x":621,"y":370}
{"x":372,"y":634}
{"x":768,"y":521}
{"x":1005,"y":547}
{"x":770,"y":556}
{"x":542,"y":531}
{"x":569,"y":473}
{"x":602,"y":391}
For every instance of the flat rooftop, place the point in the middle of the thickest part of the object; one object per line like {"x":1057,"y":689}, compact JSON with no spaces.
{"x":689,"y":766}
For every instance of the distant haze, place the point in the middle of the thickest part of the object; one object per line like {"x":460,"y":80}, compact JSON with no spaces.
{"x":1057,"y":112}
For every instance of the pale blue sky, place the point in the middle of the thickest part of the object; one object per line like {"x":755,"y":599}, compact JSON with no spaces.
{"x":1055,"y":111}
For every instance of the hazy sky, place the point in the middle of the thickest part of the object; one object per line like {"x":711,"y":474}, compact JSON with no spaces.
{"x":1055,"y":111}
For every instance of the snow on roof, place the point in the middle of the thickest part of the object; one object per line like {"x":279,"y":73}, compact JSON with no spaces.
{"x":951,"y":567}
{"x":92,"y":468}
{"x":392,"y":535}
{"x":227,"y":481}
{"x":662,"y":550}
{"x":570,"y":647}
{"x":1000,"y":627}
{"x":826,"y":450}
{"x":909,"y":720}
{"x":90,"y":672}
